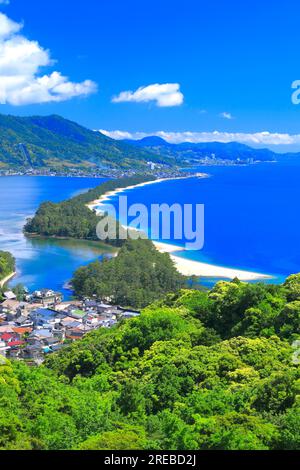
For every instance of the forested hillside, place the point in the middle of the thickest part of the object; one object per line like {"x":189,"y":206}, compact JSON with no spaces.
{"x":196,"y":370}
{"x":138,"y":276}
{"x":57,"y":143}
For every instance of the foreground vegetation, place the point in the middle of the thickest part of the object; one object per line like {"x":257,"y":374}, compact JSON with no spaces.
{"x":196,"y":370}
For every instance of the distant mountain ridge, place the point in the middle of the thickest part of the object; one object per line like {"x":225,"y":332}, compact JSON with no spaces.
{"x":198,"y":151}
{"x":58,"y":143}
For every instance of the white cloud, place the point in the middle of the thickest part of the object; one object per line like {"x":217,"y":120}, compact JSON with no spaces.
{"x":164,"y":95}
{"x":258,"y":138}
{"x":226,"y":115}
{"x":21,"y":81}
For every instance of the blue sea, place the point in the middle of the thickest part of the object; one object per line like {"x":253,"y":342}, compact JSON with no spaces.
{"x":251,"y":220}
{"x":251,"y":215}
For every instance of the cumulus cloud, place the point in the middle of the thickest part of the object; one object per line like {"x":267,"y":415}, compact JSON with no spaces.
{"x":226,"y":115}
{"x":258,"y":138}
{"x":164,"y":95}
{"x":21,"y":81}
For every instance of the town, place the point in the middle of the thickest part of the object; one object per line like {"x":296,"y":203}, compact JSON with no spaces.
{"x":43,"y":323}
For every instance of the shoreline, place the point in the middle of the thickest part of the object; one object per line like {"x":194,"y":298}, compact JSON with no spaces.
{"x":7,"y":279}
{"x":105,"y":197}
{"x":185,"y":266}
{"x":189,"y":267}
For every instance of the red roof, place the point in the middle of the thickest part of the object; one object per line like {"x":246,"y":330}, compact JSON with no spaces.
{"x":7,"y":336}
{"x":22,"y":331}
{"x":16,"y":343}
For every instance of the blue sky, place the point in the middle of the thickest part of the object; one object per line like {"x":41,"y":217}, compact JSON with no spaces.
{"x":229,"y":64}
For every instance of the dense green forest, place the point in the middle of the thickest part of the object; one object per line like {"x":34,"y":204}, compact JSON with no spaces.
{"x":136,"y":277}
{"x":72,"y":218}
{"x":7,"y":264}
{"x":57,"y":143}
{"x":197,"y":370}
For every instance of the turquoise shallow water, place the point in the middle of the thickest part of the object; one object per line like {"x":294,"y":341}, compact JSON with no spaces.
{"x":251,"y":221}
{"x":41,"y":263}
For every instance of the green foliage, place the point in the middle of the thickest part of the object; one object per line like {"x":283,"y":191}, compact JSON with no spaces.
{"x":7,"y":264}
{"x":138,"y":276}
{"x":7,"y":267}
{"x":124,"y":438}
{"x":57,"y":143}
{"x":196,"y":370}
{"x":292,"y":287}
{"x":72,"y":218}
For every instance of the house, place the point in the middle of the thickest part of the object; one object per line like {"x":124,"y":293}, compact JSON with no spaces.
{"x":15,"y":343}
{"x":23,"y":322}
{"x":74,"y":335}
{"x":3,"y":348}
{"x":57,"y":347}
{"x":14,"y":352}
{"x":72,"y":324}
{"x":10,"y":306}
{"x":64,"y":306}
{"x":9,"y":295}
{"x":92,"y":320}
{"x":51,"y":341}
{"x":41,"y":316}
{"x":6,"y":328}
{"x":47,"y":297}
{"x":101,"y":307}
{"x":91,"y":304}
{"x":6,"y":337}
{"x":41,"y":334}
{"x":34,"y":352}
{"x":22,"y":331}
{"x":77,"y":314}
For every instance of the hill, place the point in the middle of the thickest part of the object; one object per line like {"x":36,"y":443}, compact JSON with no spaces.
{"x":195,"y":371}
{"x":58,"y":143}
{"x":212,"y":150}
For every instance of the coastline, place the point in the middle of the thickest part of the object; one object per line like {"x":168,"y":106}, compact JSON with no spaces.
{"x":185,"y":266}
{"x":6,"y":279}
{"x":189,"y":267}
{"x":93,"y":205}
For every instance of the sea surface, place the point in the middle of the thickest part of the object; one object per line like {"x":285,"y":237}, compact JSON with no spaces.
{"x":41,"y":262}
{"x":251,"y":221}
{"x":251,"y":215}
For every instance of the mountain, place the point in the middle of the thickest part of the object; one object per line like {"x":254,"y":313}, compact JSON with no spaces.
{"x":151,"y":141}
{"x":58,"y":143}
{"x":191,"y":151}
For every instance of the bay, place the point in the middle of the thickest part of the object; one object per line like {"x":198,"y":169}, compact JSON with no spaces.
{"x":42,"y":263}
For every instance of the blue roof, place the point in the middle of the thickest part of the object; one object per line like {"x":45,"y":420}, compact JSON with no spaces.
{"x":43,"y":333}
{"x":44,"y":313}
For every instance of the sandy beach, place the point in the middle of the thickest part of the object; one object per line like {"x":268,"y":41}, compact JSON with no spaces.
{"x":196,"y":268}
{"x":93,"y":205}
{"x":6,"y":279}
{"x":185,"y":266}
